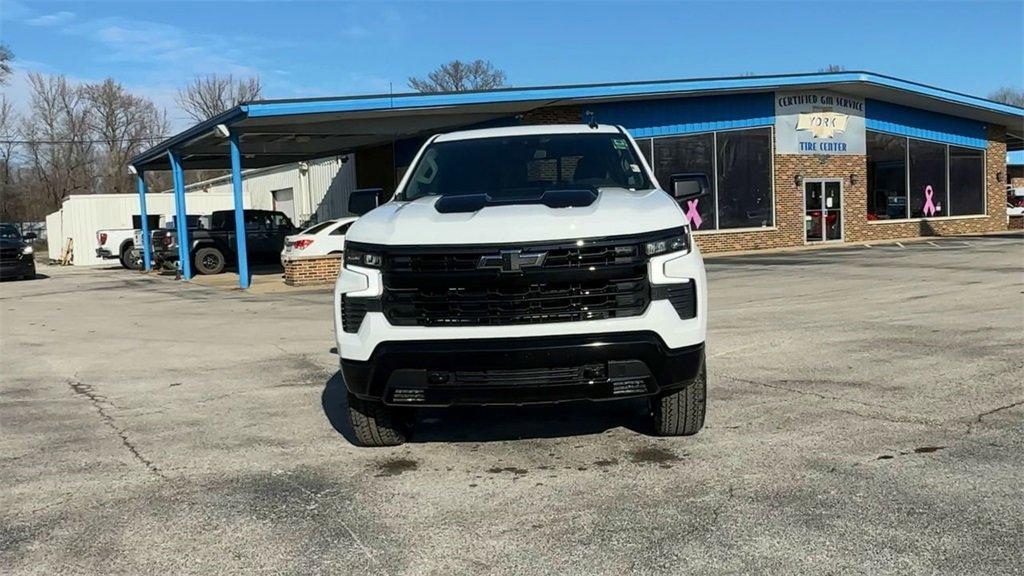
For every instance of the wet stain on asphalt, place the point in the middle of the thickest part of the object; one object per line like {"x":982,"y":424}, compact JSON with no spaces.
{"x":606,"y":463}
{"x":654,"y":455}
{"x":396,"y":467}
{"x":918,"y":450}
{"x":511,"y":469}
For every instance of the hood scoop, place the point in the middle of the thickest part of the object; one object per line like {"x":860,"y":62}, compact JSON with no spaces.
{"x":549,"y":198}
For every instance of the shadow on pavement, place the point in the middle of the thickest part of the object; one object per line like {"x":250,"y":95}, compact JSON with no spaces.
{"x":497,"y":423}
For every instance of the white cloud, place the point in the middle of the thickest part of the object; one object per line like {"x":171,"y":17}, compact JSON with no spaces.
{"x":50,"y":20}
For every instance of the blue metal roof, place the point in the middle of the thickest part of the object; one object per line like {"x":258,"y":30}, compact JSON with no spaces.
{"x":574,"y":94}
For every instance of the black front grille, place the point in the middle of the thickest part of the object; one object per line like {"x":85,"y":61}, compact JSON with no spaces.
{"x":473,"y":286}
{"x":10,"y":254}
{"x":502,"y":303}
{"x":568,"y":376}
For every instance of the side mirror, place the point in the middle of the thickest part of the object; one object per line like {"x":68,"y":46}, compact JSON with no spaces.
{"x":690,"y":186}
{"x":29,"y":236}
{"x":362,"y":201}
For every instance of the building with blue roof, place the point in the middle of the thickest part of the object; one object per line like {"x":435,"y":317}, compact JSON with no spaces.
{"x":793,"y":159}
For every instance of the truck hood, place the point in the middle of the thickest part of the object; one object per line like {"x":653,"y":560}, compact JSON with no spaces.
{"x":616,"y":212}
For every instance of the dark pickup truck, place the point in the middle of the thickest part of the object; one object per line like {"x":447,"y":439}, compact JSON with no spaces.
{"x":213,"y":248}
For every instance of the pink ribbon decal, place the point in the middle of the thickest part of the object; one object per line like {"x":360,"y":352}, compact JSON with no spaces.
{"x":692,"y":215}
{"x":929,"y":208}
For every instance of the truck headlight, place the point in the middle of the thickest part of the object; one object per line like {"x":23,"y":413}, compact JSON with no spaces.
{"x":358,"y":257}
{"x":676,"y":242}
{"x":27,"y":250}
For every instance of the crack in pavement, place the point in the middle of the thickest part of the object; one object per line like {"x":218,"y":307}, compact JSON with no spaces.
{"x":980,"y":417}
{"x":98,"y":402}
{"x":837,"y":399}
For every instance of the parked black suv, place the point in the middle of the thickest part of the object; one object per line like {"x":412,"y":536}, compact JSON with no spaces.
{"x":16,"y":257}
{"x":214,"y":247}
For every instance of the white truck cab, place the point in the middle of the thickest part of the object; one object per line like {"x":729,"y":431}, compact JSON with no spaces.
{"x":523,"y":265}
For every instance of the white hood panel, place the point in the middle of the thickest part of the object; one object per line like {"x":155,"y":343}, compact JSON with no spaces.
{"x":616,"y":212}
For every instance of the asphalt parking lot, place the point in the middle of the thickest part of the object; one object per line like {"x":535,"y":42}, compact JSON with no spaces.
{"x":866,"y":415}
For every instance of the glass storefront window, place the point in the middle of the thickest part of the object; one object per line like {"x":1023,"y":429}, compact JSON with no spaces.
{"x":745,"y":178}
{"x":966,"y":181}
{"x":687,"y":154}
{"x":927,"y":179}
{"x":944,"y":180}
{"x":887,"y":176}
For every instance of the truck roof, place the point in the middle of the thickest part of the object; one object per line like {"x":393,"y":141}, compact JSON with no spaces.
{"x":527,"y":131}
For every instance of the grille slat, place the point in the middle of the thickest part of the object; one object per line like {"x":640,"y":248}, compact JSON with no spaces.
{"x":353,"y":310}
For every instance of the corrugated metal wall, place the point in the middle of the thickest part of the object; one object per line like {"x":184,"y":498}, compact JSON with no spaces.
{"x":80,"y":217}
{"x":320,"y":190}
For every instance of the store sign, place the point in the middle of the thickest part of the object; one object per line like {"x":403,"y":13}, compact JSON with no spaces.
{"x":818,"y":122}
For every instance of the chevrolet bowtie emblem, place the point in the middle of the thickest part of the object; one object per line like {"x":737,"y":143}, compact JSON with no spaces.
{"x":511,"y":260}
{"x":822,"y":124}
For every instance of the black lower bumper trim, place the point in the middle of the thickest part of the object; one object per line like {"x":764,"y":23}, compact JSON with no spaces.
{"x":522,"y":370}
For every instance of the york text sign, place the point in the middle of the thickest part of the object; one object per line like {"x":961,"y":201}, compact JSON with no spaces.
{"x":818,"y":122}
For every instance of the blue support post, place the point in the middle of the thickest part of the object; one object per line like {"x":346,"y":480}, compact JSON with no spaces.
{"x":147,"y":248}
{"x":236,"y":185}
{"x":181,"y":216}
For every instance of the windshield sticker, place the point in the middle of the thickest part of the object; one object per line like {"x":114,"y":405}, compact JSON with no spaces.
{"x":619,"y":144}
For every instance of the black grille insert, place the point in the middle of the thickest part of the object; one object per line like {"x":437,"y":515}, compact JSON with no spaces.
{"x":683,"y":298}
{"x":353,"y":310}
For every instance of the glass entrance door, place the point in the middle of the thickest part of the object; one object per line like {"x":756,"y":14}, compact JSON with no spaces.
{"x":823,"y":217}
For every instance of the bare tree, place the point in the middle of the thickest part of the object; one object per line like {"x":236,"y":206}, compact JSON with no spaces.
{"x":123,"y":125}
{"x":458,"y":76}
{"x":832,"y":68}
{"x":1008,"y":95}
{"x":207,"y":96}
{"x":57,"y":138}
{"x":11,"y":201}
{"x":5,"y":62}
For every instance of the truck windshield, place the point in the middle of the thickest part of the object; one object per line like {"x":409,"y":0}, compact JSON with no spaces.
{"x":515,"y":166}
{"x":8,"y":232}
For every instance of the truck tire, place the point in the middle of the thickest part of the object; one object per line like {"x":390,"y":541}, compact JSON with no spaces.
{"x":209,"y":260}
{"x":129,"y":258}
{"x":374,"y":423}
{"x":681,"y":412}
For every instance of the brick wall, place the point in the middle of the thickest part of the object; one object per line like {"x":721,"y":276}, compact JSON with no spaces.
{"x":312,"y":270}
{"x":789,"y":202}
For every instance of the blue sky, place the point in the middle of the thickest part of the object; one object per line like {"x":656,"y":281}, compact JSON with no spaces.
{"x":331,"y":48}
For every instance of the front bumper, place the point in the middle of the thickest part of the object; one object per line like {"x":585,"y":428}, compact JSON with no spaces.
{"x":23,"y":266}
{"x":522,"y":370}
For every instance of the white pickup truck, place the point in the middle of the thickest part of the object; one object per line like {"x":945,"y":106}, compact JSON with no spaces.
{"x":119,"y":243}
{"x":521,"y":265}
